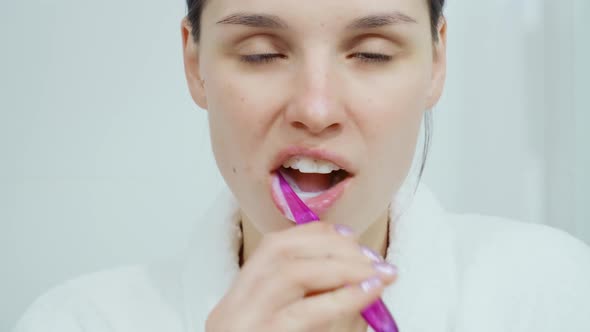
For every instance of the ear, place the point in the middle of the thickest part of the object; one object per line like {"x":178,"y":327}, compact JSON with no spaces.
{"x":190,"y":50}
{"x":439,"y":62}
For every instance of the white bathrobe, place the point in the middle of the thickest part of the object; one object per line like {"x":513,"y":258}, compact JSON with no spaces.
{"x":459,"y":273}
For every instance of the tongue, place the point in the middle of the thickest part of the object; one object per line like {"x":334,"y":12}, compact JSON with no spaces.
{"x":310,"y":182}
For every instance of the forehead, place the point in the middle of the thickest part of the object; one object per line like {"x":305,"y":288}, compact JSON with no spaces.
{"x":323,"y":13}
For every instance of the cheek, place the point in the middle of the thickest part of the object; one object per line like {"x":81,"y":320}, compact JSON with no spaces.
{"x":391,"y":122}
{"x":394,"y":108}
{"x":231,"y":128}
{"x":238,"y":120}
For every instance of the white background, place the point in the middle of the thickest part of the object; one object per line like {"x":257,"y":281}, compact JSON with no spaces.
{"x":105,"y":160}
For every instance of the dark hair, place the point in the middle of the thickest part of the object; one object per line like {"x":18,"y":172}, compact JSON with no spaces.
{"x":195,"y":10}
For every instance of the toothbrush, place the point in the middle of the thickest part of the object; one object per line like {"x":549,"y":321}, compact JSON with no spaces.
{"x":376,"y":314}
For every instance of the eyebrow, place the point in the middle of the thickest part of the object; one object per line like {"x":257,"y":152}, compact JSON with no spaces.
{"x":255,"y":20}
{"x":275,"y":22}
{"x":381,"y":20}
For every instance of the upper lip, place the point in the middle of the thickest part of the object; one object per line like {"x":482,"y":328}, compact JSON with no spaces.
{"x":321,"y":154}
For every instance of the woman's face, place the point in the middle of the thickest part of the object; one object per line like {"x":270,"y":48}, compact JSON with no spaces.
{"x":346,"y":82}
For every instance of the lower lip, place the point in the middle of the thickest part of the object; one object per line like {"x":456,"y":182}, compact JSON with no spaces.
{"x":319,"y":204}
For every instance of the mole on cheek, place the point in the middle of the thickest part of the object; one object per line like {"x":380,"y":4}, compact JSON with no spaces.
{"x":234,"y":170}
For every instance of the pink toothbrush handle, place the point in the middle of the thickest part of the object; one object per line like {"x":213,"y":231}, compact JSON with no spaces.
{"x":379,"y":318}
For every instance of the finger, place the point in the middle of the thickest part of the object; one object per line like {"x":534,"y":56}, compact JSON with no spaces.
{"x":320,"y":242}
{"x":319,"y":310}
{"x":315,"y":240}
{"x":297,"y":279}
{"x":317,"y":276}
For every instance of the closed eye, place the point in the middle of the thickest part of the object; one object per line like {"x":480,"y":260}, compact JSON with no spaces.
{"x":270,"y":57}
{"x":262,"y":58}
{"x":371,"y":57}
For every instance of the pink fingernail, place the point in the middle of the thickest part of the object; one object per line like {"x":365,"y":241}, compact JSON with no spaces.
{"x":371,"y":283}
{"x":372,"y":254}
{"x":386,"y":268}
{"x":344,"y":230}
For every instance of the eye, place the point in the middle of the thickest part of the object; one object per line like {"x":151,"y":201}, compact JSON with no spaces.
{"x":262,"y":58}
{"x":371,"y":57}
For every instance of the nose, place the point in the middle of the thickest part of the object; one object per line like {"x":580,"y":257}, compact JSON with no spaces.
{"x":314,"y":106}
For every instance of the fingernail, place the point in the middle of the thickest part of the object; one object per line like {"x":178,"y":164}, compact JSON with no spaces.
{"x":344,"y":230}
{"x":386,"y":268}
{"x":371,"y":283}
{"x":372,"y":254}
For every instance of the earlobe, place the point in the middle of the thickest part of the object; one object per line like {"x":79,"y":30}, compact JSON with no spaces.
{"x":439,"y":68}
{"x":190,"y":50}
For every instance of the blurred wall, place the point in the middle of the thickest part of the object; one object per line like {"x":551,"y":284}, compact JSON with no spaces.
{"x":106,"y":160}
{"x":581,"y":141}
{"x":510,"y":134}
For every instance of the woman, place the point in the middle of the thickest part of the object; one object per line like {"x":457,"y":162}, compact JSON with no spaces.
{"x":331,"y":94}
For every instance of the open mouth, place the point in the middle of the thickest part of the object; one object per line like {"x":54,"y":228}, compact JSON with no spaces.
{"x":318,"y":183}
{"x":309,"y":185}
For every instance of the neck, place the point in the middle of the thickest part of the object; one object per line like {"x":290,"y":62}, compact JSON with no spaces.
{"x":376,"y":236}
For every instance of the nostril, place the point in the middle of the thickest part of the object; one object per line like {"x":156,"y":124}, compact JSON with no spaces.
{"x":299,"y":125}
{"x":331,"y":128}
{"x":334,"y":126}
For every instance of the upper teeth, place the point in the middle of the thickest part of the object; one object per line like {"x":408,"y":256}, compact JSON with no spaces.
{"x":309,"y":165}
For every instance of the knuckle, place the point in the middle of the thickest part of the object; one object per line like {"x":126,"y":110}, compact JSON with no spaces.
{"x":295,"y":318}
{"x":290,"y":274}
{"x":274,"y":324}
{"x":285,"y":321}
{"x":340,"y":312}
{"x":319,"y":227}
{"x":266,"y":278}
{"x":215,"y":322}
{"x":325,"y":227}
{"x":273,"y":243}
{"x":340,"y":305}
{"x":268,"y":239}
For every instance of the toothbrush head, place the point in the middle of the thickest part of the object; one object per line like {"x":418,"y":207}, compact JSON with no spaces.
{"x":300,"y":212}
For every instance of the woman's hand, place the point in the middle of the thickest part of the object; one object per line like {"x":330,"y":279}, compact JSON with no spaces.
{"x":302,"y":279}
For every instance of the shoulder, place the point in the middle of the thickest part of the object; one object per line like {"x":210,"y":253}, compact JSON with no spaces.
{"x":507,"y":241}
{"x":109,"y":300}
{"x":523,"y":272}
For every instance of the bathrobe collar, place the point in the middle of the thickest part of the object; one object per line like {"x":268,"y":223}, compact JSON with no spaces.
{"x":421,"y":245}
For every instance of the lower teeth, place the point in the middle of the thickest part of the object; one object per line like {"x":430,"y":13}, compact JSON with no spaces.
{"x":299,"y":192}
{"x":303,"y":194}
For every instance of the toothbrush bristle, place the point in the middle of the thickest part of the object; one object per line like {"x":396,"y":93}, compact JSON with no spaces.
{"x":300,"y":212}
